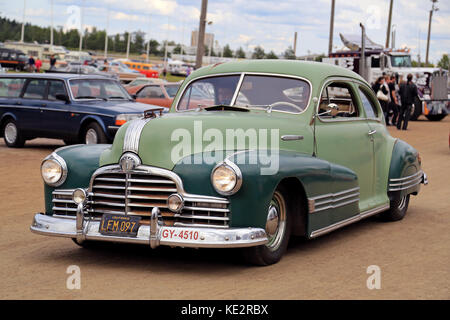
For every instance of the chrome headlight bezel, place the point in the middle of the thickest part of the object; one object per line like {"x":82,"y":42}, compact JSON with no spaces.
{"x":60,"y":161}
{"x":233,"y":168}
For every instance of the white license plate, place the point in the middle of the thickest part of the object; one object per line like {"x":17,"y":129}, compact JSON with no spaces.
{"x":180,"y":234}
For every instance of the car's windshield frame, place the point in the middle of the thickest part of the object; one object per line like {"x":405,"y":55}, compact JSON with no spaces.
{"x":239,"y":85}
{"x":124,"y":92}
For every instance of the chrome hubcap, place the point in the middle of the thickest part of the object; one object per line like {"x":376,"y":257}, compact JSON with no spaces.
{"x":11,"y":132}
{"x":91,"y":137}
{"x":276,"y":222}
{"x":402,"y":204}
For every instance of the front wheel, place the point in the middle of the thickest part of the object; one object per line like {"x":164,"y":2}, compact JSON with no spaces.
{"x":397,"y":211}
{"x":278,"y":229}
{"x":11,"y":134}
{"x":94,"y":134}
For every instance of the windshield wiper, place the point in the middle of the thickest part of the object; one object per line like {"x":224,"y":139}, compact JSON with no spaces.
{"x":90,"y":97}
{"x":118,"y":97}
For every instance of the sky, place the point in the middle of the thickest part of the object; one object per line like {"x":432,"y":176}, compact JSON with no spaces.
{"x":250,"y":23}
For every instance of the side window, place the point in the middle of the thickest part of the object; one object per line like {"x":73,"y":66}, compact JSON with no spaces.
{"x":11,"y":87}
{"x":340,"y":94}
{"x":151,"y":92}
{"x":368,"y":104}
{"x":35,"y":89}
{"x":55,"y":87}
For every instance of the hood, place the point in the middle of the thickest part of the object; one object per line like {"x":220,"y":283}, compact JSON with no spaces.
{"x":166,"y":140}
{"x":120,"y":106}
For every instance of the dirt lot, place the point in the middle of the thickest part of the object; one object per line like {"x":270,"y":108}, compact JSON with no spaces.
{"x":413,"y":254}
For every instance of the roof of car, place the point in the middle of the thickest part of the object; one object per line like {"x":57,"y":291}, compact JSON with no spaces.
{"x":305,"y":69}
{"x":60,"y":76}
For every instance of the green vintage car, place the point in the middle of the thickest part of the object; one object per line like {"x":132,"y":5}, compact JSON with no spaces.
{"x":251,"y":153}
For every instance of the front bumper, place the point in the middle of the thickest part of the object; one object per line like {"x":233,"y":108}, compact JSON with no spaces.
{"x":82,"y":229}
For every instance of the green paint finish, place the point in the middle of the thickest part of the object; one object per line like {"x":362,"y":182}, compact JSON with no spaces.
{"x":249,"y":205}
{"x":112,"y":155}
{"x":82,"y":161}
{"x":162,"y":139}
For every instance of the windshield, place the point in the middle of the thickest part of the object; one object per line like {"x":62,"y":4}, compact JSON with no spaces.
{"x":257,"y":91}
{"x":172,"y":90}
{"x":401,"y":61}
{"x":97,"y":89}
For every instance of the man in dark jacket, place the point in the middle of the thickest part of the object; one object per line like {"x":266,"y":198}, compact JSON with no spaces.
{"x":408,"y":93}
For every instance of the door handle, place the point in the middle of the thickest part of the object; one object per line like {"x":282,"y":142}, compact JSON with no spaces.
{"x":372,"y":132}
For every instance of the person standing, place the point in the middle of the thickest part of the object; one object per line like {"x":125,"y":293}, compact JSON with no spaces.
{"x":38,"y":64}
{"x":31,"y":64}
{"x":52,"y":62}
{"x":408,"y":93}
{"x":382,"y":95}
{"x":393,"y":104}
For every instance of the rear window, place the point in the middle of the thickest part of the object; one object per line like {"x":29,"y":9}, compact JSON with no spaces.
{"x":11,"y":87}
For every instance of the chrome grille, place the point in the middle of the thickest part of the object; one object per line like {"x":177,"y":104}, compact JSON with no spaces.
{"x":63,"y":204}
{"x":138,"y":193}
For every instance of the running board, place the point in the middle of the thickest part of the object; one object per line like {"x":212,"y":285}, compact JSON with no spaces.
{"x":348,"y":221}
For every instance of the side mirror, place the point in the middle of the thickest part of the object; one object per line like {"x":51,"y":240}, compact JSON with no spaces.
{"x":62,"y":97}
{"x":333,"y":109}
{"x":134,"y":96}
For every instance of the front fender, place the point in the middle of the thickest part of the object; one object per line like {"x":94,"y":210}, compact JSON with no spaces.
{"x":249,"y":205}
{"x":82,"y":160}
{"x":97,"y":119}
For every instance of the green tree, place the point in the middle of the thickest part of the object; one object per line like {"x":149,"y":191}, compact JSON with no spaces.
{"x":319,"y":58}
{"x":289,"y":53}
{"x":240,"y":53}
{"x":271,"y":55}
{"x":227,"y":52}
{"x":444,"y":63}
{"x":258,"y":53}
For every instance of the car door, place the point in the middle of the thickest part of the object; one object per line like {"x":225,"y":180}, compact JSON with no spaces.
{"x":33,"y":98}
{"x":378,"y":137}
{"x":344,"y":139}
{"x":55,"y":114}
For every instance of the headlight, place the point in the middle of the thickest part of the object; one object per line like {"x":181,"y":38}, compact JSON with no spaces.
{"x":226,"y":178}
{"x":54,"y":170}
{"x":124,"y":118}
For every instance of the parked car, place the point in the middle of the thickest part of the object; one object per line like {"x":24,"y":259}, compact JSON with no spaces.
{"x":155,"y":94}
{"x":142,"y":67}
{"x":81,"y":69}
{"x":141,"y":81}
{"x":87,"y":109}
{"x":277,"y":148}
{"x":125,"y":74}
{"x":14,"y":59}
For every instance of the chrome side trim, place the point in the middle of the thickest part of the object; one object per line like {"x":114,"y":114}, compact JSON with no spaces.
{"x":291,"y":137}
{"x":348,"y":221}
{"x":333,"y":200}
{"x":399,"y":184}
{"x":133,"y":135}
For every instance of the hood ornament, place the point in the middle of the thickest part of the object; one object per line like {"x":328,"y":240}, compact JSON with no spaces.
{"x":129,"y":161}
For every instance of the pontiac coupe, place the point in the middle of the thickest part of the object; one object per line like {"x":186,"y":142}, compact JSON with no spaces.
{"x":250,"y":153}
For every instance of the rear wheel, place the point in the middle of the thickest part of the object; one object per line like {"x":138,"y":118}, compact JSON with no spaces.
{"x":397,"y":211}
{"x":416,"y":109}
{"x":94,"y":134}
{"x":278,"y":229}
{"x":11,"y":134}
